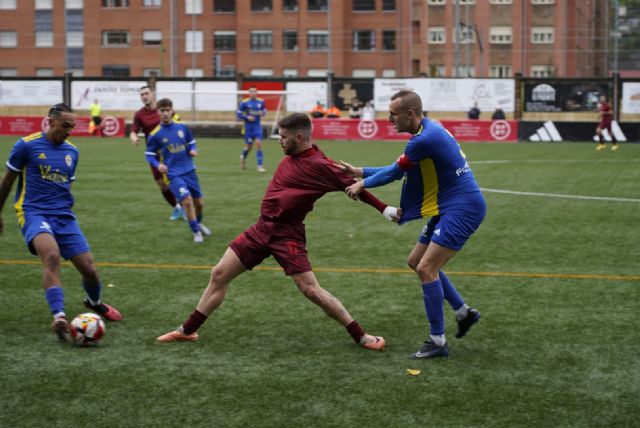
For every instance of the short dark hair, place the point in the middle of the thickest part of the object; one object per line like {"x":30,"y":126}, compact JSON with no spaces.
{"x":299,"y":122}
{"x":409,"y":100}
{"x":59,"y":108}
{"x":164,"y":102}
{"x":145,"y":87}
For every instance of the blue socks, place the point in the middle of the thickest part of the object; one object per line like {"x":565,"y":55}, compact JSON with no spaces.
{"x":451,"y":295}
{"x":433,"y":297}
{"x":245,"y":152}
{"x":55,"y":299}
{"x":193,"y":225}
{"x":93,"y":292}
{"x":259,"y":157}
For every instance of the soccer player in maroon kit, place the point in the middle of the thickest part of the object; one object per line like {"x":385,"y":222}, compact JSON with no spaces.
{"x":606,"y":116}
{"x":146,"y":119}
{"x":303,"y":176}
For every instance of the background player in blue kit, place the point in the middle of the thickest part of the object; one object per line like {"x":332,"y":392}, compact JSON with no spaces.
{"x":438,"y":184}
{"x":45,"y":166}
{"x":177,"y":148}
{"x":250,"y":111}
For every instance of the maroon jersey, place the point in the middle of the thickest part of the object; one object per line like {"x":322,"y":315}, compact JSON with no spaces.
{"x":606,"y":114}
{"x":145,"y":119}
{"x":301,"y":180}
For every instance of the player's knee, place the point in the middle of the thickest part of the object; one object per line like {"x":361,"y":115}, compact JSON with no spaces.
{"x":413,"y":263}
{"x":427,"y":272}
{"x":51,"y":259}
{"x":219,"y":275}
{"x":307,"y":288}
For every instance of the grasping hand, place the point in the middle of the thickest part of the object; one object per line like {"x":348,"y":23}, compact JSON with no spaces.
{"x":163,"y":168}
{"x":353,"y":171}
{"x":353,"y":190}
{"x":193,"y":153}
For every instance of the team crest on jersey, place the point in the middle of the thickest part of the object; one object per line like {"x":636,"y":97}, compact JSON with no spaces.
{"x":68,"y":160}
{"x":165,"y":140}
{"x":42,"y":156}
{"x":180,"y":134}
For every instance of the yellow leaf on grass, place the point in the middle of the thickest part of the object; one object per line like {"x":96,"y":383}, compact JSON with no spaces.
{"x":413,"y":372}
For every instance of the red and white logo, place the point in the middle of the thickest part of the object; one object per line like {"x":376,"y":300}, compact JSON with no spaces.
{"x":500,"y":129}
{"x":367,"y":129}
{"x":110,"y":126}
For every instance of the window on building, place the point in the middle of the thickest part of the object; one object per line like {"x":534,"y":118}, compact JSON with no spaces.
{"x":115,"y":38}
{"x":75,"y":72}
{"x":289,"y":72}
{"x":436,"y":35}
{"x":74,"y":4}
{"x":388,"y":72}
{"x":500,"y":35}
{"x":500,"y":1}
{"x":193,"y":41}
{"x":363,"y":72}
{"x":261,"y":5}
{"x":263,"y":72}
{"x":44,"y":39}
{"x":74,"y":21}
{"x":115,"y":3}
{"x":290,"y":5}
{"x":317,"y":72}
{"x":364,"y":40}
{"x":149,"y":72}
{"x":224,"y":41}
{"x":290,"y":40}
{"x":363,"y":5}
{"x":318,"y":40}
{"x":317,"y":5}
{"x":261,"y":40}
{"x":500,"y":71}
{"x":227,"y":71}
{"x":541,"y":35}
{"x":388,"y":5}
{"x":437,"y":2}
{"x":43,"y":4}
{"x":8,"y":72}
{"x":8,"y":39}
{"x":44,"y":72}
{"x":151,"y":37}
{"x":74,"y":59}
{"x":151,"y":3}
{"x":7,"y":4}
{"x":75,"y":39}
{"x":466,"y":71}
{"x":193,"y":7}
{"x":437,"y":70}
{"x":43,"y":20}
{"x":541,"y":71}
{"x":463,"y":2}
{"x":467,"y":34}
{"x":543,"y":1}
{"x":388,"y":40}
{"x":226,"y":6}
{"x":194,"y":72}
{"x":114,"y":70}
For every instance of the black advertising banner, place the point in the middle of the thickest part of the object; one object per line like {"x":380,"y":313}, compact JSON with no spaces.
{"x":574,"y":131}
{"x":346,"y":91}
{"x":554,"y":96}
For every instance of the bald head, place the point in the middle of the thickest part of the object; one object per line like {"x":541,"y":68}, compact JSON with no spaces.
{"x":409,"y":100}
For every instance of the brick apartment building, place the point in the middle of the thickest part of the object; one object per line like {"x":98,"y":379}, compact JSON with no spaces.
{"x":359,"y":38}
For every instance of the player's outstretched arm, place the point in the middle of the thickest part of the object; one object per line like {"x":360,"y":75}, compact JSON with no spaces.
{"x":5,"y":189}
{"x":353,"y":171}
{"x":389,"y":212}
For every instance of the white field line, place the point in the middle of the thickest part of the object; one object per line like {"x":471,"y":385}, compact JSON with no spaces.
{"x":558,"y":195}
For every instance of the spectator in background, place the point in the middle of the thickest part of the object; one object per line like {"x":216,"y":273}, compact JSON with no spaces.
{"x":96,"y":118}
{"x":368,"y":113}
{"x":318,"y":111}
{"x":498,"y":114}
{"x":474,"y":112}
{"x":333,"y":112}
{"x":354,"y":110}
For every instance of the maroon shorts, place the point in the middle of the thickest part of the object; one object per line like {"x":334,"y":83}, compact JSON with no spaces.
{"x":157,"y":175}
{"x":605,"y":124}
{"x":285,"y":242}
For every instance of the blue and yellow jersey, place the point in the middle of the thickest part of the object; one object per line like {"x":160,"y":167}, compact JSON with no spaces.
{"x":249,"y":107}
{"x":46,"y":172}
{"x":437,"y":175}
{"x":172,"y":142}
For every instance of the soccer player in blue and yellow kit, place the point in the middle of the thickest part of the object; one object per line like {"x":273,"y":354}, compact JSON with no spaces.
{"x":250,"y":111}
{"x":177,"y":148}
{"x":438,"y":183}
{"x":45,"y":165}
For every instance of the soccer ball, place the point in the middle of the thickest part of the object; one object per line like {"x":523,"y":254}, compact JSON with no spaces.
{"x":87,"y":329}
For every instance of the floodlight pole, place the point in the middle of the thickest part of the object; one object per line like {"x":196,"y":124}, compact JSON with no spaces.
{"x":456,"y":22}
{"x":616,"y":71}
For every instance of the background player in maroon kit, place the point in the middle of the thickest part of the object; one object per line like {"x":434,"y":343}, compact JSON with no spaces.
{"x":606,"y":117}
{"x":146,"y":119}
{"x":303,"y":176}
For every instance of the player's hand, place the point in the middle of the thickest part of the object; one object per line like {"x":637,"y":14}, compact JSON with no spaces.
{"x":392,"y":213}
{"x":193,"y":153}
{"x":353,"y":190}
{"x":163,"y":168}
{"x":251,"y":118}
{"x":349,"y":169}
{"x":134,"y":138}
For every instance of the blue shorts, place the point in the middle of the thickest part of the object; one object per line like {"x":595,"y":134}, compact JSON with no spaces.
{"x":63,"y":228}
{"x":252,"y":133}
{"x":185,"y":185}
{"x":453,"y":228}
